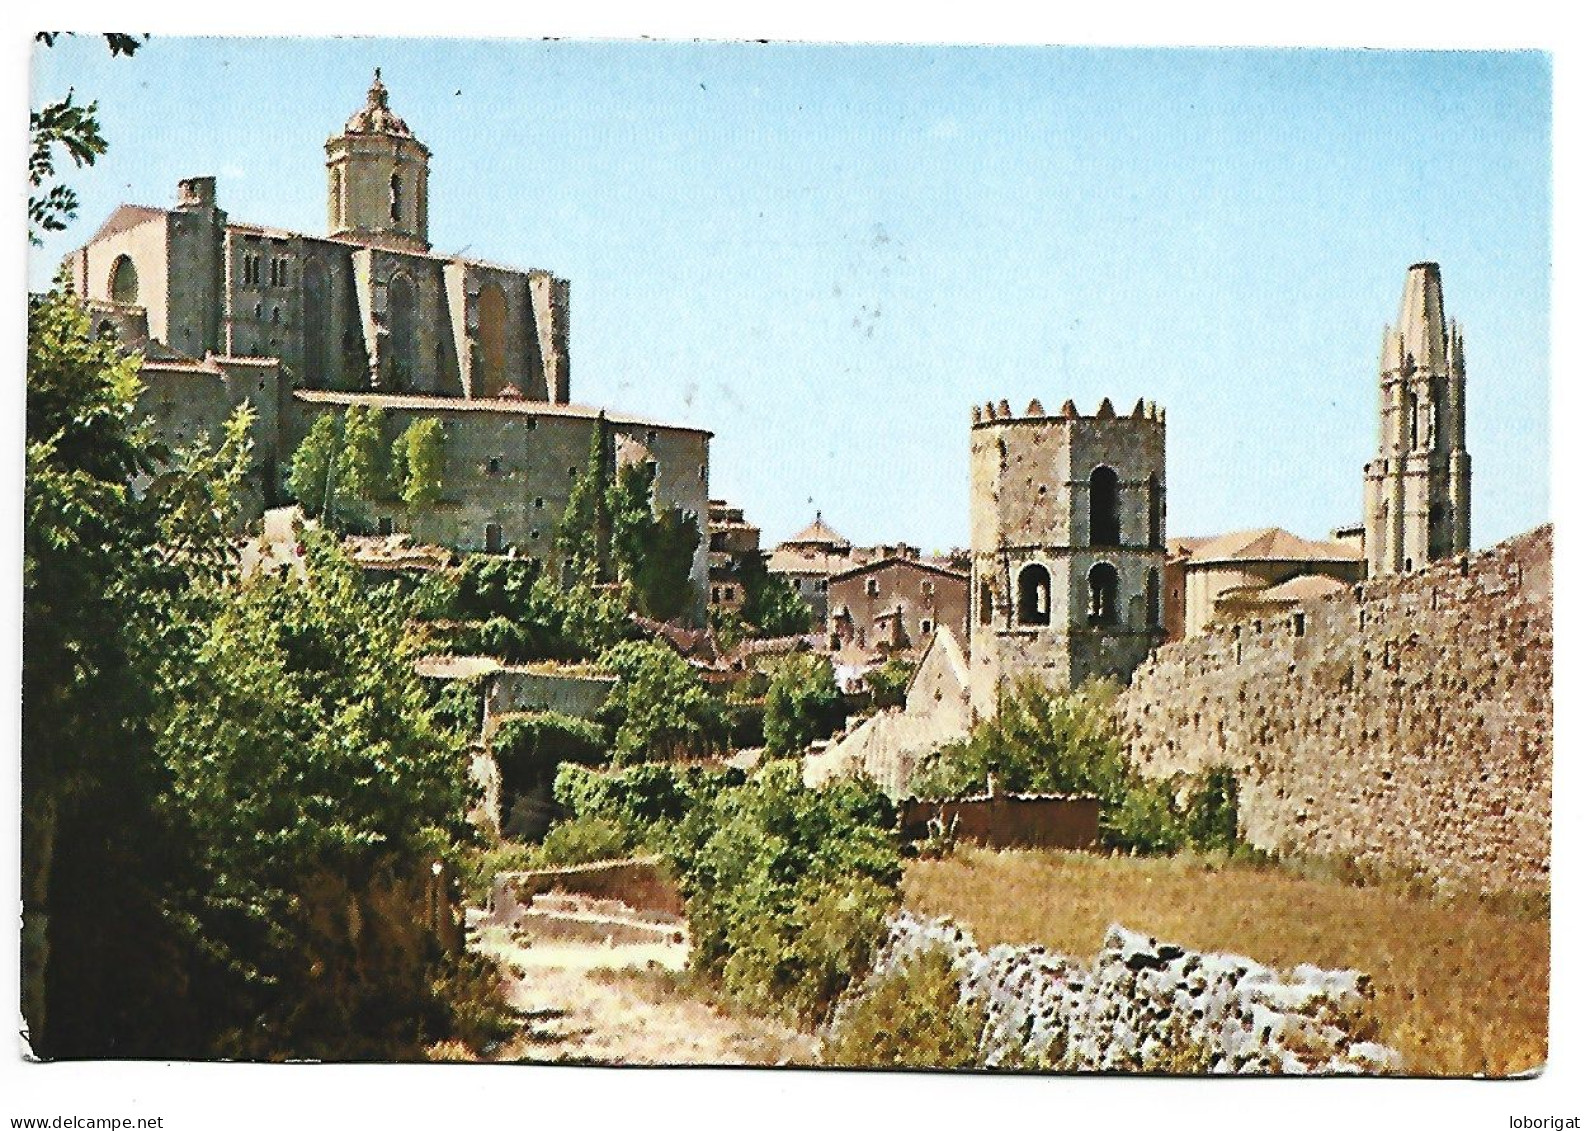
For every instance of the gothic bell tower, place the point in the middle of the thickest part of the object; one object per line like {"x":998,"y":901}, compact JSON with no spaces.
{"x":377,"y":175}
{"x":1416,"y":489}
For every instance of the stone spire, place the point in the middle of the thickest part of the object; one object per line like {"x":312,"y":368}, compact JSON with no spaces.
{"x":1422,"y":322}
{"x":1416,"y":489}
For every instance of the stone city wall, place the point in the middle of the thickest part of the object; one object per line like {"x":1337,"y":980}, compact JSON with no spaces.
{"x":1145,"y":1006}
{"x":1405,"y":721}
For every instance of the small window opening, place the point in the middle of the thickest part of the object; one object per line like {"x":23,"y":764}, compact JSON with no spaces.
{"x":1032,"y":603}
{"x":1103,"y":589}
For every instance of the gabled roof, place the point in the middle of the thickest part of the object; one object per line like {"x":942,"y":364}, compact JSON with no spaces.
{"x":912,"y":563}
{"x":1271,"y":544}
{"x":127,"y":216}
{"x":819,"y":533}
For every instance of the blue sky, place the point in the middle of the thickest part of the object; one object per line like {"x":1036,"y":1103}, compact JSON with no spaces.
{"x":826,"y":255}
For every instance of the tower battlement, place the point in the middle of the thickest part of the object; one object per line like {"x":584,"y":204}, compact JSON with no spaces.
{"x":990,"y":413}
{"x":1068,"y":543}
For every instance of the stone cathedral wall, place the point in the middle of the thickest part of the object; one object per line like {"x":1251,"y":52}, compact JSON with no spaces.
{"x":1407,"y":721}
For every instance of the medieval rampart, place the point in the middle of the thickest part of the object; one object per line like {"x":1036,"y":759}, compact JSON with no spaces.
{"x":1405,"y":721}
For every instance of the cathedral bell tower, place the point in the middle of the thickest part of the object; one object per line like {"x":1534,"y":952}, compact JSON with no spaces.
{"x":1416,"y":489}
{"x":376,"y":178}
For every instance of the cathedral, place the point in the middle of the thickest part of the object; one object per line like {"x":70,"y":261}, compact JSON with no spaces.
{"x":298,"y":325}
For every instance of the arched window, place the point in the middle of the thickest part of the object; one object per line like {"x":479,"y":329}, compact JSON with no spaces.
{"x":1032,"y":595}
{"x":124,"y":281}
{"x":396,"y":198}
{"x":985,"y":604}
{"x":319,"y":359}
{"x":493,"y":311}
{"x":401,"y":326}
{"x":1156,"y":504}
{"x":1413,"y":420}
{"x":1152,"y":601}
{"x":1104,"y":507}
{"x":1435,"y":417}
{"x":1103,"y":588}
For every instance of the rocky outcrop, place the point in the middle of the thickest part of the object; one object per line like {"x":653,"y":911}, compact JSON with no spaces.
{"x":1142,"y":1005}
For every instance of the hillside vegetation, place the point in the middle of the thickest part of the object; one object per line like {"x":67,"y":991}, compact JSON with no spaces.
{"x":1461,"y":984}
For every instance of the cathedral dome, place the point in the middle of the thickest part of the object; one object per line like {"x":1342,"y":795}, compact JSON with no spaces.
{"x":375,"y":117}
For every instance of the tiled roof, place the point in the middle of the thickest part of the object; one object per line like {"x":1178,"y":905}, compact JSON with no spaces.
{"x":125,"y":217}
{"x":786,"y":560}
{"x":1304,"y":588}
{"x":819,"y":533}
{"x":1272,"y":544}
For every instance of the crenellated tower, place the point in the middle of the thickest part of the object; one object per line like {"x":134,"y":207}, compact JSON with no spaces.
{"x":1416,"y":489}
{"x":1068,"y":544}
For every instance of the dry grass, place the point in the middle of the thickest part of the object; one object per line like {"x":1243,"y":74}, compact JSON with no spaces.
{"x":1460,"y":984}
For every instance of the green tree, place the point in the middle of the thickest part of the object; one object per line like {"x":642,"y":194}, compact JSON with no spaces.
{"x":100,"y":602}
{"x":659,"y":709}
{"x":423,"y":463}
{"x":772,"y":606}
{"x":887,"y":683}
{"x":362,"y":466}
{"x":803,"y":704}
{"x":584,"y":535}
{"x":318,"y":789}
{"x":312,"y":478}
{"x":73,"y":129}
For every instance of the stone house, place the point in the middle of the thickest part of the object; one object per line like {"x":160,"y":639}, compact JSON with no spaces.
{"x":732,"y":543}
{"x":808,"y":560}
{"x":895,"y":604}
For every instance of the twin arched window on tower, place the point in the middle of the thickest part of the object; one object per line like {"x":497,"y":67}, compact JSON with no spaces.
{"x":395,"y":198}
{"x":1033,"y":597}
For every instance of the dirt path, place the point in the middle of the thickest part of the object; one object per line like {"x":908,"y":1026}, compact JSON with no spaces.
{"x":599,"y":1004}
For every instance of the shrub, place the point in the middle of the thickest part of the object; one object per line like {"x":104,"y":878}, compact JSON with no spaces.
{"x":481,"y":865}
{"x":887,"y":683}
{"x":786,"y":889}
{"x":659,"y":708}
{"x":580,"y":840}
{"x":1038,"y":741}
{"x":803,"y":703}
{"x":470,"y":1006}
{"x":1211,"y":809}
{"x":912,"y":1018}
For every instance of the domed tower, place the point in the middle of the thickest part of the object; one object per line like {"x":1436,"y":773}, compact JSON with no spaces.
{"x":376,"y":178}
{"x":1068,"y":544}
{"x":1416,"y":489}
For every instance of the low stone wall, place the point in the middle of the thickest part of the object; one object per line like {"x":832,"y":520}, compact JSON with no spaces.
{"x":1009,"y":820}
{"x":576,"y":692}
{"x":639,"y":882}
{"x":1406,"y":721}
{"x":1146,"y":1006}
